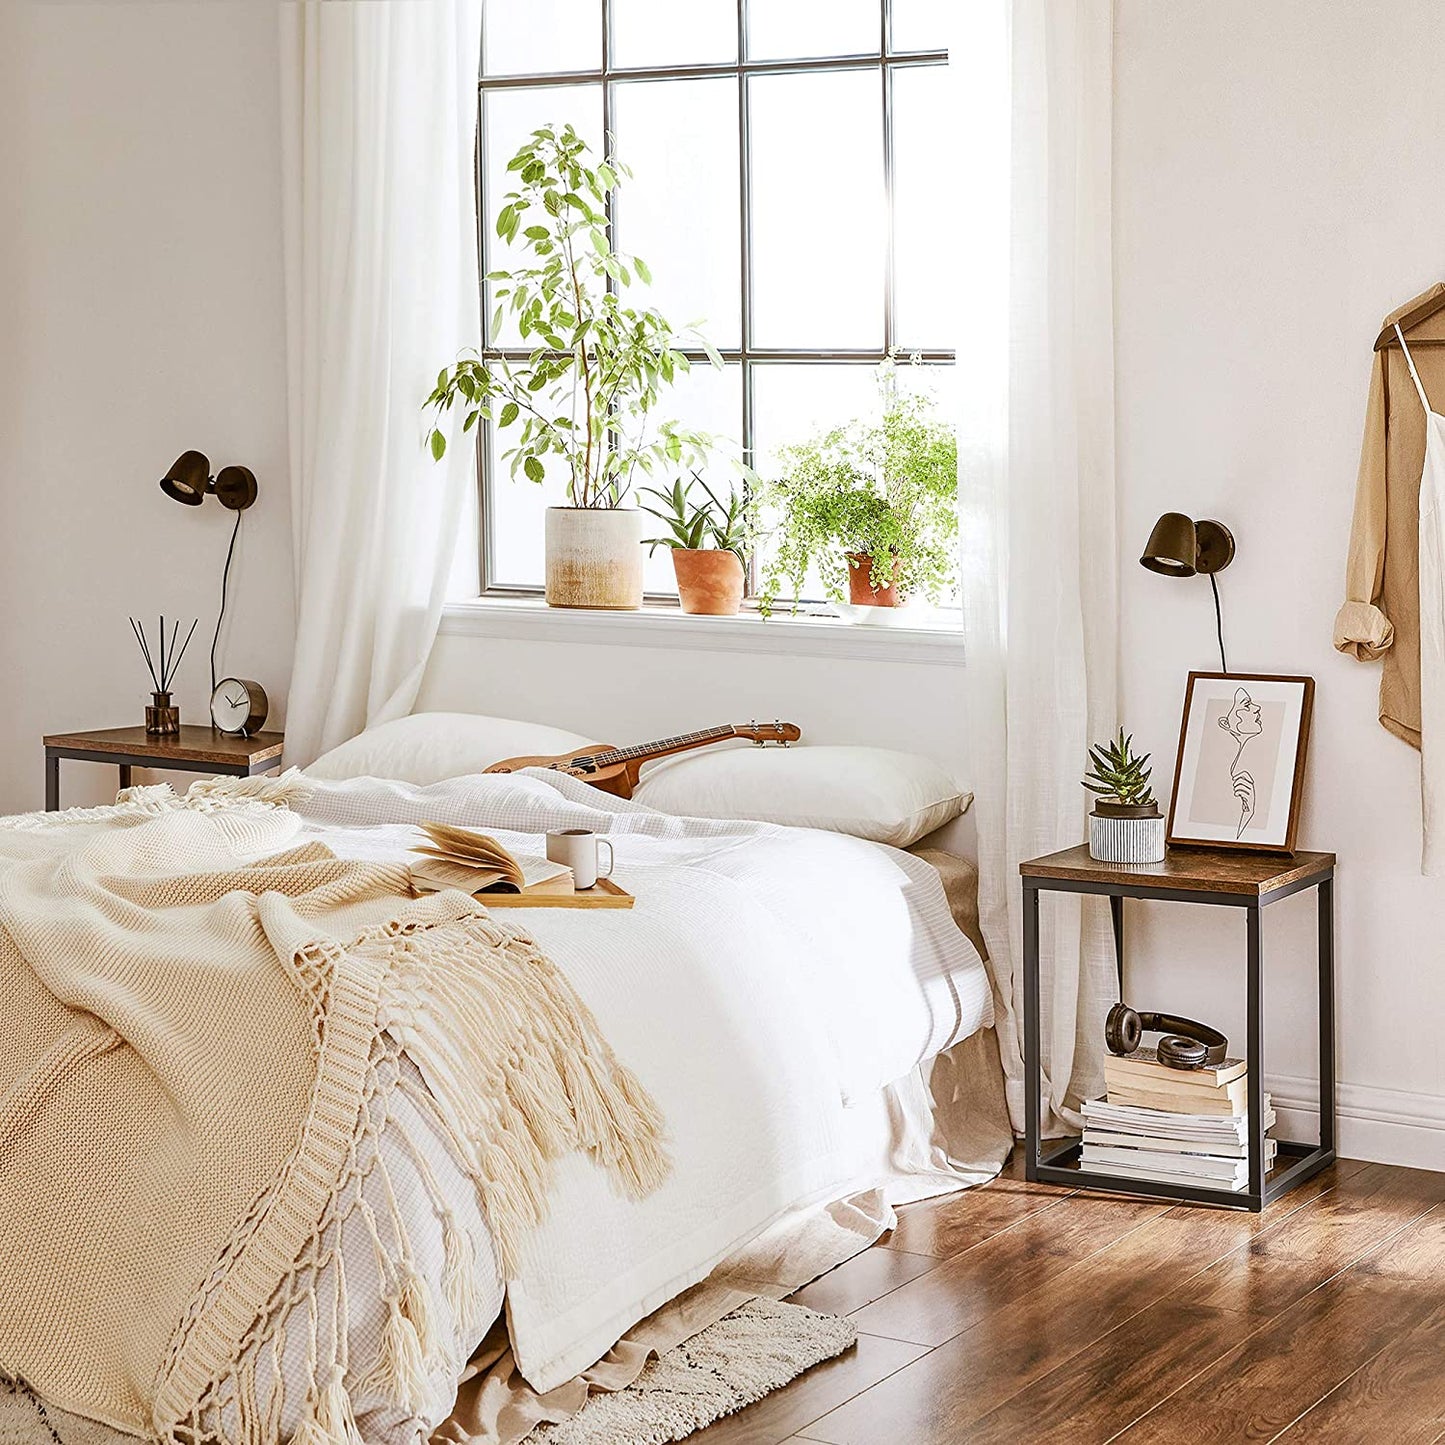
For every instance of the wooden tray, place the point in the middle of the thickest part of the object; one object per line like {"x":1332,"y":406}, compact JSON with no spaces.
{"x":605,"y":894}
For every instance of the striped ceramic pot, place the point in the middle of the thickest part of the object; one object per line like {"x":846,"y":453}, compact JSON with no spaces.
{"x":1126,"y":833}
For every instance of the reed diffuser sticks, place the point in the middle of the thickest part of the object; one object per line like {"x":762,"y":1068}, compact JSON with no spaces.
{"x":162,"y":663}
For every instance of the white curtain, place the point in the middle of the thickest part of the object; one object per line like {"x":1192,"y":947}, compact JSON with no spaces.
{"x":379,"y":115}
{"x":1040,"y":554}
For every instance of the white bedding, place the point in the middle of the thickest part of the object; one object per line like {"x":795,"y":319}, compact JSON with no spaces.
{"x":768,"y":981}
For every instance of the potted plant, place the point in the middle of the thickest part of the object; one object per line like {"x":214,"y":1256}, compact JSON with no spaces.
{"x":870,"y":505}
{"x":706,"y":538}
{"x":587,"y":392}
{"x":1125,"y":825}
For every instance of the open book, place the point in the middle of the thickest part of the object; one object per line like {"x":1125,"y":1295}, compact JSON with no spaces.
{"x":474,"y":863}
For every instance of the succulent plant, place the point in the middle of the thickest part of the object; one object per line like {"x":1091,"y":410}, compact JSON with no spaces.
{"x":1117,"y":773}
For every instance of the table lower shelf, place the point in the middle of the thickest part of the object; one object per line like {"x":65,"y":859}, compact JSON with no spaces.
{"x":1294,"y":1163}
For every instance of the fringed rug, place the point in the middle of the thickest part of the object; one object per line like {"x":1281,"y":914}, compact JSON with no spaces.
{"x":755,"y":1350}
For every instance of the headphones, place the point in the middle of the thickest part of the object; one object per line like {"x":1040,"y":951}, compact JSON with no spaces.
{"x":1185,"y":1045}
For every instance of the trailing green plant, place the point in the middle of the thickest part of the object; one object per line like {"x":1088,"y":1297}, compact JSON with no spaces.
{"x":598,"y":366}
{"x":1117,"y":773}
{"x":886,"y":489}
{"x":711,"y":524}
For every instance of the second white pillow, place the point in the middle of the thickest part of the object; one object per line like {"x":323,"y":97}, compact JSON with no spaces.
{"x":875,"y":793}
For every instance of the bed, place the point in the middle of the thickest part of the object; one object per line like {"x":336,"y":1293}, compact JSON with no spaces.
{"x":811,"y":980}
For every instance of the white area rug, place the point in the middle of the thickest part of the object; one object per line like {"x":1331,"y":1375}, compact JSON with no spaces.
{"x":758,"y":1348}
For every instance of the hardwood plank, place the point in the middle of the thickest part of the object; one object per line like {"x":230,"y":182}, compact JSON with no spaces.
{"x":1398,"y":1396}
{"x":1286,"y":1262}
{"x":948,"y":1225}
{"x":775,"y":1417}
{"x":1010,"y":1348}
{"x":862,"y":1279}
{"x":1022,"y":1339}
{"x":1100,"y":1391}
{"x":963,"y":1290}
{"x":1290,"y":1363}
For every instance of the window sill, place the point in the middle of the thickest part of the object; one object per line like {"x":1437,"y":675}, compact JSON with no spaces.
{"x":529,"y":619}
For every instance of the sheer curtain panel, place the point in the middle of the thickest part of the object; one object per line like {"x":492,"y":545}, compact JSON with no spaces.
{"x":1036,"y":461}
{"x":379,"y":115}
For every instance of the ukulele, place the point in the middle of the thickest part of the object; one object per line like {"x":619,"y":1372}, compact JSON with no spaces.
{"x":615,"y":770}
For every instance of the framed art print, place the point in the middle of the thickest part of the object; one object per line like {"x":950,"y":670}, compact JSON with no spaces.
{"x":1240,"y":769}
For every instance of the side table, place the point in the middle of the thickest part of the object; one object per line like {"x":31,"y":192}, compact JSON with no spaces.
{"x":192,"y":750}
{"x":1248,"y":881}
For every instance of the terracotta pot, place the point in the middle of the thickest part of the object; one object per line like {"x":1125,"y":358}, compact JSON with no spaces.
{"x":862,"y":592}
{"x":594,"y":557}
{"x":710,"y":582}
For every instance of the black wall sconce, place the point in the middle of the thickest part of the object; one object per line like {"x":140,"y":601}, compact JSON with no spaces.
{"x":1179,"y":547}
{"x":189,"y":481}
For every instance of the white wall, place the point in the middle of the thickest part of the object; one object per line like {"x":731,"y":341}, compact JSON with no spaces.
{"x":141,"y":256}
{"x":1277,"y":184}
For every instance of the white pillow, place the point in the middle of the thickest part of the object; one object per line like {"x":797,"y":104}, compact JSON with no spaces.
{"x":874,"y":793}
{"x":429,"y":746}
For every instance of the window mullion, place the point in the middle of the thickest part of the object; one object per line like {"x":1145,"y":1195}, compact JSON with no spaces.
{"x":745,"y":254}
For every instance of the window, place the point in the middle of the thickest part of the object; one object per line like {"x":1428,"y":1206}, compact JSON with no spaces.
{"x":789,"y":161}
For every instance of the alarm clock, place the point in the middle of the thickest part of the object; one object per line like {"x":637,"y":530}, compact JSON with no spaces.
{"x":239,"y":706}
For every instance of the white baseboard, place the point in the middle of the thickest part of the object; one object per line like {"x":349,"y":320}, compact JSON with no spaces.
{"x":1385,"y":1126}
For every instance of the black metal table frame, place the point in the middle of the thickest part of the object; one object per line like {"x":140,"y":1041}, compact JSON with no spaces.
{"x":126,"y":761}
{"x":1308,"y":1159}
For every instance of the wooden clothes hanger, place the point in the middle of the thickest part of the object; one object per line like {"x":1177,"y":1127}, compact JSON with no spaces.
{"x":1423,"y":312}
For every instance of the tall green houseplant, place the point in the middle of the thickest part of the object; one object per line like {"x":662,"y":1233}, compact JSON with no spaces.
{"x":589,"y":388}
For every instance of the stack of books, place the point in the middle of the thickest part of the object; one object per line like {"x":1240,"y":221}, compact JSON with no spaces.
{"x":1173,"y":1126}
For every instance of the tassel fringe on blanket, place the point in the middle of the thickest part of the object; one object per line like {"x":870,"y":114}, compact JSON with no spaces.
{"x":430,"y":1003}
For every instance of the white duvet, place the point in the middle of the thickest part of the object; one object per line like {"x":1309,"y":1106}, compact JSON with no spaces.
{"x":767,"y":981}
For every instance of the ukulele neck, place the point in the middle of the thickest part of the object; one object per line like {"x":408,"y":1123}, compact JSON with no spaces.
{"x":643,"y":752}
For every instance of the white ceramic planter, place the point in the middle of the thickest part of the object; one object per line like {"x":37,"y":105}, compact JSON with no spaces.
{"x":1115,"y":839}
{"x":594,"y":557}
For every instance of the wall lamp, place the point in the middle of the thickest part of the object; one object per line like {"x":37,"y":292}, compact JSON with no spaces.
{"x":190,"y":481}
{"x":1179,"y":547}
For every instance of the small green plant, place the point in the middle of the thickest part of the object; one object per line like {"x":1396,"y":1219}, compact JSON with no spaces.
{"x":712,"y":524}
{"x":599,"y":365}
{"x":1118,"y":774}
{"x":886,"y":489}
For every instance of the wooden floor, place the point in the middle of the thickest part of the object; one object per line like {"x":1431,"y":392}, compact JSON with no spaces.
{"x":1021,"y":1312}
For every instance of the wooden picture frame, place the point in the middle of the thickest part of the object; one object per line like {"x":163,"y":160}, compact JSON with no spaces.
{"x":1224,"y":796}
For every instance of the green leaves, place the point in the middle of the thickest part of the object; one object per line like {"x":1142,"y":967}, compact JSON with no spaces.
{"x":883,"y":488}
{"x":695,"y":525}
{"x":1117,"y":773}
{"x":438,"y":444}
{"x":598,"y":365}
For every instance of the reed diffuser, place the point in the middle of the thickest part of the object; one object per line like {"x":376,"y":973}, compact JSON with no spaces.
{"x":163,"y":718}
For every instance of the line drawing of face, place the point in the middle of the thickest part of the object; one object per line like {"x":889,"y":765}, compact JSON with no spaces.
{"x":1242,"y":721}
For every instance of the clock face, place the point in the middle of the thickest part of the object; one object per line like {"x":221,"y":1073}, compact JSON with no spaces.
{"x":234,"y":708}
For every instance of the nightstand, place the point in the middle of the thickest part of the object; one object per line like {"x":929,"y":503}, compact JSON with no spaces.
{"x":192,"y":750}
{"x":1248,"y":881}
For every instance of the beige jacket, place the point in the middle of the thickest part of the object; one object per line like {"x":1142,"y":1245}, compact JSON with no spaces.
{"x":1380,"y":617}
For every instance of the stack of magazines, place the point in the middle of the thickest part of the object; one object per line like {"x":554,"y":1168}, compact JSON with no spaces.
{"x":1173,"y":1126}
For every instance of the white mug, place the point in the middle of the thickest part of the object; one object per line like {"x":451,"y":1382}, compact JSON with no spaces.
{"x":579,"y":848}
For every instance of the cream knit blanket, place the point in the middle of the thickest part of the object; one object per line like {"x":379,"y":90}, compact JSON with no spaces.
{"x":195,"y":1052}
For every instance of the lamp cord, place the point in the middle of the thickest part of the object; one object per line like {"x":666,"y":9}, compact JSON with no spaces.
{"x":1218,"y":622}
{"x":225,"y":577}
